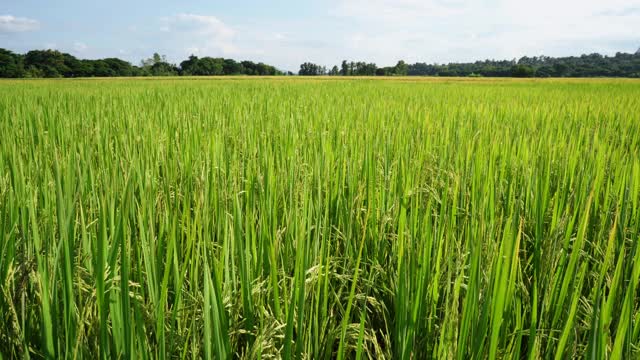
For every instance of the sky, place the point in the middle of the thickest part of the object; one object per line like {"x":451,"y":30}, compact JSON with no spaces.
{"x":287,"y":33}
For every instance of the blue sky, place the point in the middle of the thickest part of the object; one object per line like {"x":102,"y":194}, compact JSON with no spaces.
{"x":286,"y":33}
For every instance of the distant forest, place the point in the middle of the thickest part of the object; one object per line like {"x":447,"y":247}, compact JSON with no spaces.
{"x":593,"y":65}
{"x":52,"y":64}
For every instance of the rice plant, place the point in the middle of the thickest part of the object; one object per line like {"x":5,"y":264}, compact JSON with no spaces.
{"x":319,"y":219}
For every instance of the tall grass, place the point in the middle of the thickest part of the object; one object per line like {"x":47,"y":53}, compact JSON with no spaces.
{"x":319,"y":219}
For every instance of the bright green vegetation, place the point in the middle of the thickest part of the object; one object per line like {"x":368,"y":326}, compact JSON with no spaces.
{"x":319,"y":219}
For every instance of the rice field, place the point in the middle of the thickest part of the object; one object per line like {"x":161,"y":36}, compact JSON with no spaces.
{"x":319,"y":219}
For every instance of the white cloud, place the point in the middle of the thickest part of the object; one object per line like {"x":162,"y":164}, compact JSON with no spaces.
{"x":385,"y":31}
{"x":202,"y":34}
{"x":398,"y":11}
{"x":80,"y":47}
{"x":627,"y":11}
{"x":10,"y":23}
{"x":464,"y":30}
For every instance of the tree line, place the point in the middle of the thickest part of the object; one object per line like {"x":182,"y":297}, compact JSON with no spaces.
{"x":592,"y":65}
{"x":359,"y":68}
{"x":53,"y":63}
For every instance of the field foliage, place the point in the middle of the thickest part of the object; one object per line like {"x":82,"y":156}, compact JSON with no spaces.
{"x":317,"y":219}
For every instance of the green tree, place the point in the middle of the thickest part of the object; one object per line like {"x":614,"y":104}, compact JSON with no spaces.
{"x":401,"y":68}
{"x":522,"y":71}
{"x":50,"y":63}
{"x":345,"y":70}
{"x":209,"y":66}
{"x":10,"y":64}
{"x":311,"y":69}
{"x":189,"y":66}
{"x":560,"y":69}
{"x":101,"y":69}
{"x":156,"y":58}
{"x":231,"y":67}
{"x":119,"y":67}
{"x":163,"y":69}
